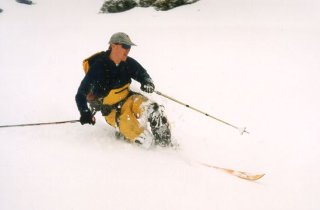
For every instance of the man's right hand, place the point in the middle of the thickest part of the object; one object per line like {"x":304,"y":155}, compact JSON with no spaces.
{"x":87,"y":118}
{"x":147,"y":86}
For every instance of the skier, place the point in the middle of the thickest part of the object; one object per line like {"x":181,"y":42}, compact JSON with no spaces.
{"x":106,"y":88}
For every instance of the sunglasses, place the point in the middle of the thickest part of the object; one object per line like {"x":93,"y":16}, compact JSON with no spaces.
{"x":124,"y":46}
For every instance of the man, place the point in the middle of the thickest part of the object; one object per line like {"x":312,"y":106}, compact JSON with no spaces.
{"x":106,"y":87}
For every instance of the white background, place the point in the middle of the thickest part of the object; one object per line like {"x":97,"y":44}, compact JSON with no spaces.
{"x":250,"y":63}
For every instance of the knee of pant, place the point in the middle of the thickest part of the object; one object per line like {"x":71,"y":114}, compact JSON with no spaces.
{"x":137,"y":107}
{"x":130,"y":127}
{"x":111,"y":118}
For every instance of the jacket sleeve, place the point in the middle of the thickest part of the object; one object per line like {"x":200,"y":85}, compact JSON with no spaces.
{"x":81,"y":96}
{"x":92,"y":81}
{"x":138,"y":73}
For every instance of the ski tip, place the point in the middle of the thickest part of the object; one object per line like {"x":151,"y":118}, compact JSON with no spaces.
{"x":247,"y":176}
{"x":253,"y":177}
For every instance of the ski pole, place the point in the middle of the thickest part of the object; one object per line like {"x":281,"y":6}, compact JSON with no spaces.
{"x":241,"y":130}
{"x":36,"y":124}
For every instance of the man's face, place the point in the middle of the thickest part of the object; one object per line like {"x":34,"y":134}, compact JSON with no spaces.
{"x":121,"y":51}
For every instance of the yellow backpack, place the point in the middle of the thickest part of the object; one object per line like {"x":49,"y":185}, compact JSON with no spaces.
{"x":90,"y":60}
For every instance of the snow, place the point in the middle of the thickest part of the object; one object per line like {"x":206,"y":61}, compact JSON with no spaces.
{"x":250,"y":63}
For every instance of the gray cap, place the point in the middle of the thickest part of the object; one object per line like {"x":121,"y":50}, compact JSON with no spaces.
{"x":121,"y":38}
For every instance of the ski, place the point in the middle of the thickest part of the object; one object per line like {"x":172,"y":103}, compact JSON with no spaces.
{"x":240,"y":174}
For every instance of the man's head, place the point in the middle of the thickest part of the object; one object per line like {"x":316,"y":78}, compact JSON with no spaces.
{"x":120,"y":45}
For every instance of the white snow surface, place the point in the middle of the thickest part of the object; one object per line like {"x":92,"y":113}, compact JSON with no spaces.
{"x":250,"y":63}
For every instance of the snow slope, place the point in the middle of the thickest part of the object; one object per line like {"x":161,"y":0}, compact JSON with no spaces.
{"x":251,"y":63}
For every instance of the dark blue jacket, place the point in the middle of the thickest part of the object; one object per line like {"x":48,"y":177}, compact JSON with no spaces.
{"x":104,"y":75}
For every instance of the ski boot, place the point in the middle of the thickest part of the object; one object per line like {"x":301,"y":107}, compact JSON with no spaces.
{"x":145,"y":140}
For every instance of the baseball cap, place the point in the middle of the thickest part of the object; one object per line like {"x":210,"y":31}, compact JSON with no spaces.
{"x":121,"y":38}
